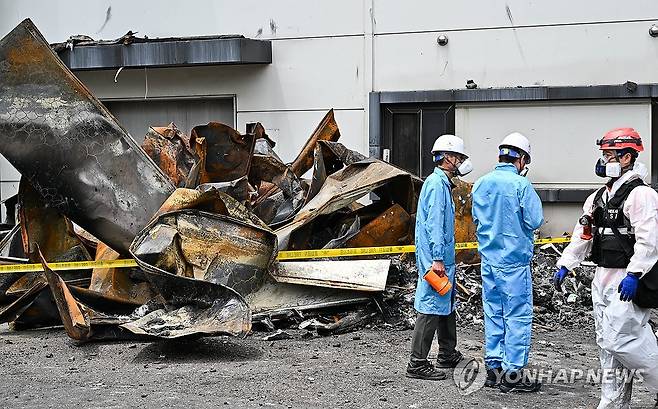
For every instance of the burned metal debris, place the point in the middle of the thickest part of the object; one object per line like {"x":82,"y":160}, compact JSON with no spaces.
{"x":69,"y":146}
{"x":203,"y":212}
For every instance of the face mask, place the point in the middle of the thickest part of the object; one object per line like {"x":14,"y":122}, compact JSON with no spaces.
{"x":465,"y":167}
{"x":605,"y":168}
{"x":524,"y":171}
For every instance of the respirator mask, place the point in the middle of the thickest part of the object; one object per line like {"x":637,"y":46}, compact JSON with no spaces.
{"x":605,"y":168}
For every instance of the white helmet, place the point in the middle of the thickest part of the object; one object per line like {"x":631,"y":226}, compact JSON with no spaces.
{"x":518,"y":141}
{"x":449,"y":143}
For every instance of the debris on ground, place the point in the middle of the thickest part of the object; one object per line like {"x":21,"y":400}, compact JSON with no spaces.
{"x":203,"y":214}
{"x":571,"y":308}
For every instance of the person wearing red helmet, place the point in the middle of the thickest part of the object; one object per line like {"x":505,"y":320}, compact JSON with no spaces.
{"x":622,"y":217}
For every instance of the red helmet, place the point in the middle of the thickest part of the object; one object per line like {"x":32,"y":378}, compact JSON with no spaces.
{"x":621,"y":138}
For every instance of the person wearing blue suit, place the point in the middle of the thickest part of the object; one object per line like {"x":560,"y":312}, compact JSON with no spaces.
{"x":507,"y":211}
{"x":435,"y":250}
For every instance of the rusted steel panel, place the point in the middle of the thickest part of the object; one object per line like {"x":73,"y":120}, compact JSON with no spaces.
{"x":206,"y":246}
{"x":346,"y":186}
{"x":70,"y":147}
{"x":328,"y":158}
{"x":194,"y":307}
{"x":209,"y":199}
{"x":239,"y":189}
{"x":225,"y":153}
{"x":125,"y":284}
{"x":274,"y":297}
{"x":361,"y":275}
{"x":170,"y":149}
{"x":393,"y":227}
{"x":75,"y":320}
{"x":42,"y":226}
{"x":280,"y":191}
{"x":327,"y":130}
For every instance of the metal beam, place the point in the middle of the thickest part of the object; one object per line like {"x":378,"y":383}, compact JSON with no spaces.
{"x":169,"y":53}
{"x":626,"y":91}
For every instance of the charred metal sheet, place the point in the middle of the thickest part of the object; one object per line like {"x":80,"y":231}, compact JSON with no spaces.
{"x":258,"y":130}
{"x":280,"y":191}
{"x":70,"y":147}
{"x":17,"y":307}
{"x":227,"y":153}
{"x":239,"y":189}
{"x":327,"y":130}
{"x":170,"y":149}
{"x":76,"y":253}
{"x":391,"y":228}
{"x":361,"y":275}
{"x":194,"y":308}
{"x":273,"y":297}
{"x":75,"y":320}
{"x":43,"y":227}
{"x":346,"y":232}
{"x":210,"y":247}
{"x":78,"y":318}
{"x":339,"y":152}
{"x":328,"y":158}
{"x":209,"y":199}
{"x":124,"y":284}
{"x":346,"y":186}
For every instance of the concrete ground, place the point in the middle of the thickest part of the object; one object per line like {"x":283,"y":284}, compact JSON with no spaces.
{"x":362,"y":369}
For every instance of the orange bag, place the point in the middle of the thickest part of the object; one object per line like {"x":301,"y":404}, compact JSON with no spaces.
{"x":442,"y":285}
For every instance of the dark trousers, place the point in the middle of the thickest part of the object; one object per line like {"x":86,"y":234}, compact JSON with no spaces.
{"x":445,"y":328}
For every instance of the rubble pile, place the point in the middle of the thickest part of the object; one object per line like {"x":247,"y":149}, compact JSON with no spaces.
{"x":204,"y":215}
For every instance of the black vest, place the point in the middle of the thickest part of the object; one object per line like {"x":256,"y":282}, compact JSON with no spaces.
{"x":614,"y":239}
{"x":613,"y":235}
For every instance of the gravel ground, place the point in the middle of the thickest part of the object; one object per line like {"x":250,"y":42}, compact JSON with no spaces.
{"x":356,"y":370}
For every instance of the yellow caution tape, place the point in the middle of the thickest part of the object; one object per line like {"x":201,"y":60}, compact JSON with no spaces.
{"x":67,"y":265}
{"x":366,"y":251}
{"x":283,"y":255}
{"x":357,"y":251}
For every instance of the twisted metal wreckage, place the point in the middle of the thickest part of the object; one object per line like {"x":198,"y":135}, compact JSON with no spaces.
{"x":203,"y":214}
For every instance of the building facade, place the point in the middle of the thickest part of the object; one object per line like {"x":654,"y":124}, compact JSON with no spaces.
{"x":396,"y":74}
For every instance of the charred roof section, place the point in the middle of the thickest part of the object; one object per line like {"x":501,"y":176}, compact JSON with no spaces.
{"x":84,"y":53}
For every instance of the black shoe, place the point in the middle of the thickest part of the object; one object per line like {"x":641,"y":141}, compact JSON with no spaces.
{"x":517,"y":381}
{"x":494,"y":376}
{"x":425,"y":371}
{"x":450,"y":360}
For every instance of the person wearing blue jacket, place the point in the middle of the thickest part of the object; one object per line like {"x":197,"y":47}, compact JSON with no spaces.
{"x":435,"y":250}
{"x":507,"y":211}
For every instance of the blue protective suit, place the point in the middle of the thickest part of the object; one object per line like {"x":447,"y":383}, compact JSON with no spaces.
{"x":435,"y":241}
{"x":506,"y":211}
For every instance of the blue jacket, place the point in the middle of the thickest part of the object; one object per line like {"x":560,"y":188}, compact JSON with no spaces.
{"x":435,"y":240}
{"x":506,"y":211}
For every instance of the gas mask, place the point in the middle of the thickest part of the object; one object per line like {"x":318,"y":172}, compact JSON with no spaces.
{"x":465,"y":167}
{"x":605,"y":168}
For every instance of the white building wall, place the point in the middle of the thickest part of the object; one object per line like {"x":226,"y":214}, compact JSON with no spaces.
{"x":563,"y":139}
